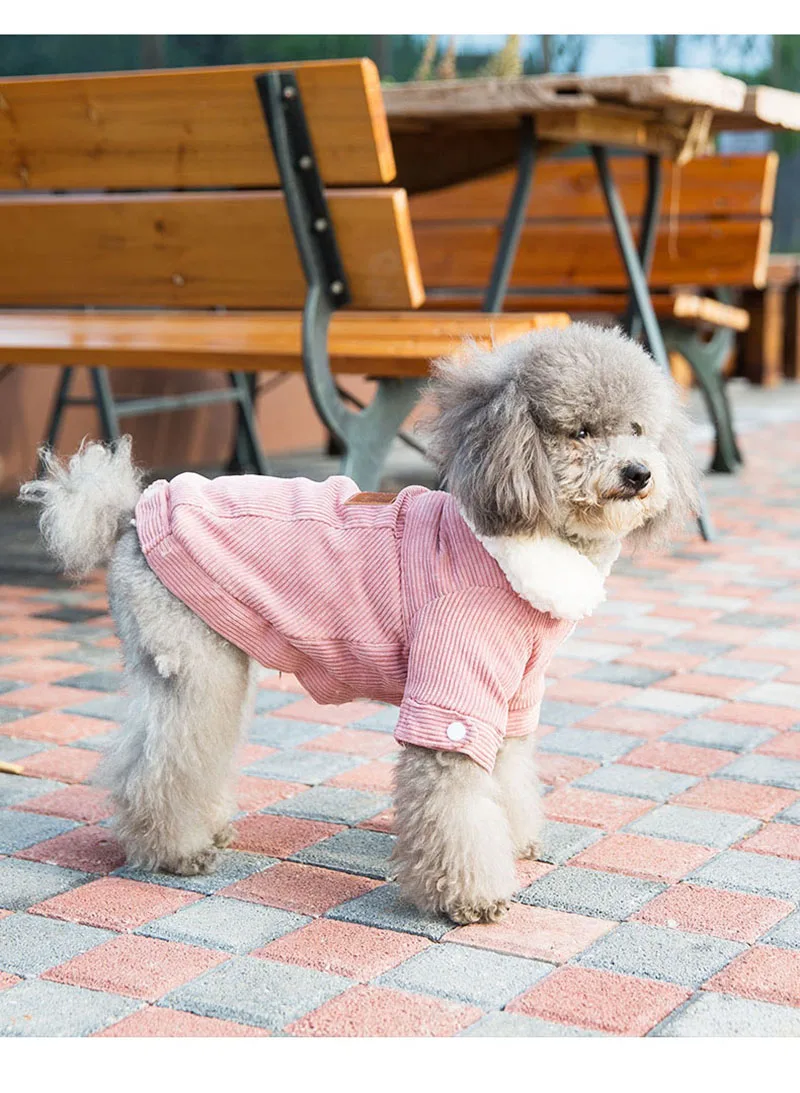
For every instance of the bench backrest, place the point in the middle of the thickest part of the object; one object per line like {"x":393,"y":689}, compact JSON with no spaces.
{"x":160,"y":189}
{"x":715,"y":226}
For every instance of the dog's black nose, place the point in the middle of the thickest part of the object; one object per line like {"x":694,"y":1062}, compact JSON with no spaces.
{"x":635,"y":475}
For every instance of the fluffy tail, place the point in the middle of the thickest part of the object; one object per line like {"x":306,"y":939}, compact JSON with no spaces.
{"x":86,"y":503}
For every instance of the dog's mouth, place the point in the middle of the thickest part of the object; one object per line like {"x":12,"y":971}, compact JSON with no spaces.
{"x":627,"y":493}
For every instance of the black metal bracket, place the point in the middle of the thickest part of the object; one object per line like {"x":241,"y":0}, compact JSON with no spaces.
{"x":299,"y":171}
{"x":515,"y":218}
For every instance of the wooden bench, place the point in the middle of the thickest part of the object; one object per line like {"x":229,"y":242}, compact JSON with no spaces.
{"x":236,"y":219}
{"x":713,"y":239}
{"x":769,"y":349}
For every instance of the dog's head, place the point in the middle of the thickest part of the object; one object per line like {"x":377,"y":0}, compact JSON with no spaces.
{"x":574,"y":432}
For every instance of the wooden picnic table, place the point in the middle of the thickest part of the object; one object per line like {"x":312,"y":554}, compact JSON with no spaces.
{"x":450,"y":131}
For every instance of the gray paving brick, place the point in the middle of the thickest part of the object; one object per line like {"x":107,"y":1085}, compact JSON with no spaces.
{"x":743,"y":871}
{"x":19,"y":830}
{"x":109,"y":708}
{"x":790,"y":815}
{"x":354,"y":851}
{"x":282,"y":732}
{"x":11,"y":713}
{"x":670,"y":955}
{"x":98,"y":680}
{"x":677,"y":703}
{"x":601,"y":651}
{"x":751,"y":618}
{"x":90,"y":655}
{"x":516,"y":1024}
{"x":786,"y":935}
{"x":12,"y":749}
{"x":9,"y":685}
{"x":475,"y":976}
{"x":562,"y":841}
{"x":32,"y":944}
{"x":344,"y":806}
{"x":779,"y":638}
{"x":386,"y":909}
{"x":764,"y":769}
{"x":99,"y":743}
{"x":256,"y":992}
{"x":267,"y":700}
{"x":233,"y":865}
{"x":774,"y":694}
{"x":654,"y":624}
{"x":590,"y":892}
{"x":727,"y":735}
{"x":712,"y":1014}
{"x":652,"y":785}
{"x":16,"y":788}
{"x":384,"y":720}
{"x":742,"y":669}
{"x":23,"y":883}
{"x":714,"y":603}
{"x":39,"y":1008}
{"x":634,"y":675}
{"x":309,"y":767}
{"x":589,"y":743}
{"x":229,"y":924}
{"x":563,"y":714}
{"x":695,"y":825}
{"x":695,"y":648}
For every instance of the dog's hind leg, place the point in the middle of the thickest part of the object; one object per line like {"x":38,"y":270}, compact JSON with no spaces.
{"x":520,"y":795}
{"x":169,"y":773}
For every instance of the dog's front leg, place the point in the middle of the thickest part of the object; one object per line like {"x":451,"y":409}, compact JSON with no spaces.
{"x":454,"y":850}
{"x":520,"y":793}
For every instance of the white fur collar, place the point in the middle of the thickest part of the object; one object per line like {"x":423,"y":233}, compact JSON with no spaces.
{"x":549,"y":573}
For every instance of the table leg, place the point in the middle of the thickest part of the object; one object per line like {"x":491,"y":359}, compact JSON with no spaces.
{"x":647,"y":238}
{"x":515,"y":219}
{"x":637,"y":278}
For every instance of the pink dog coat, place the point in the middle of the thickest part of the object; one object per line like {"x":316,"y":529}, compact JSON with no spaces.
{"x":373,"y":596}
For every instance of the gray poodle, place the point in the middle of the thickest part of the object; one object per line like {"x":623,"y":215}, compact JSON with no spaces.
{"x":552,"y":449}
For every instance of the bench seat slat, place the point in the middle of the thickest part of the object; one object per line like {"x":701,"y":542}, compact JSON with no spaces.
{"x":374,"y":343}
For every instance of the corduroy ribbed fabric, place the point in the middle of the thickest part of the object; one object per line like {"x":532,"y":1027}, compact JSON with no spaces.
{"x":394,"y":601}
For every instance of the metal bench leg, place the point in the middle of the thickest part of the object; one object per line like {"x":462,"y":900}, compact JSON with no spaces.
{"x":515,"y":219}
{"x":706,"y":360}
{"x":638,"y":282}
{"x":248,"y":453}
{"x":59,"y":405}
{"x":647,"y":238}
{"x":106,"y":407}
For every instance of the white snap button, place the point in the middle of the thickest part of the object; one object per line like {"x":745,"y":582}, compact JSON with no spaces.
{"x":456,"y":731}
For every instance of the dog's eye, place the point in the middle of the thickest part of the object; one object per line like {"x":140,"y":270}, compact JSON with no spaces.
{"x":636,"y":429}
{"x":582,"y":433}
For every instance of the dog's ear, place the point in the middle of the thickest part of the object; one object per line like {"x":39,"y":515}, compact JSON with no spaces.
{"x":684,"y":499}
{"x":488,"y":447}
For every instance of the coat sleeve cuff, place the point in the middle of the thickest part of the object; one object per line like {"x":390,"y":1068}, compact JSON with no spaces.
{"x":427,"y":726}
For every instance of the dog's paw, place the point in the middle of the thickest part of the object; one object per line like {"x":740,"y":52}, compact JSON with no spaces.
{"x":532,"y":851}
{"x":225,"y":836}
{"x":467,"y":915}
{"x":192,"y":865}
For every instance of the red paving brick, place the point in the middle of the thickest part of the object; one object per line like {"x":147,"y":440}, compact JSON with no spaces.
{"x":537,"y":932}
{"x":375,"y":777}
{"x":40,"y":671}
{"x":619,"y":1004}
{"x":737,"y":916}
{"x":782,"y":840}
{"x":84,"y":803}
{"x":255,"y":793}
{"x":138,"y":967}
{"x":306,"y":889}
{"x":8,"y":980}
{"x":785,"y":745}
{"x":309,"y":710}
{"x":89,"y":849}
{"x":753,"y":713}
{"x":679,"y":758}
{"x":46,"y":696}
{"x":561,"y":667}
{"x":344,"y":948}
{"x":384,"y":821}
{"x":557,"y":769}
{"x":589,"y":692}
{"x":154,"y":1021}
{"x":529,"y":870}
{"x":584,"y":806}
{"x":712,"y":686}
{"x":54,"y":727}
{"x":115,"y":903}
{"x":747,"y":798}
{"x":642,"y":856}
{"x":770,"y":975}
{"x":37,"y":647}
{"x":378,"y":1011}
{"x":62,"y":764}
{"x":372,"y":745}
{"x":280,"y":836}
{"x":635,"y":722}
{"x":663,"y":661}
